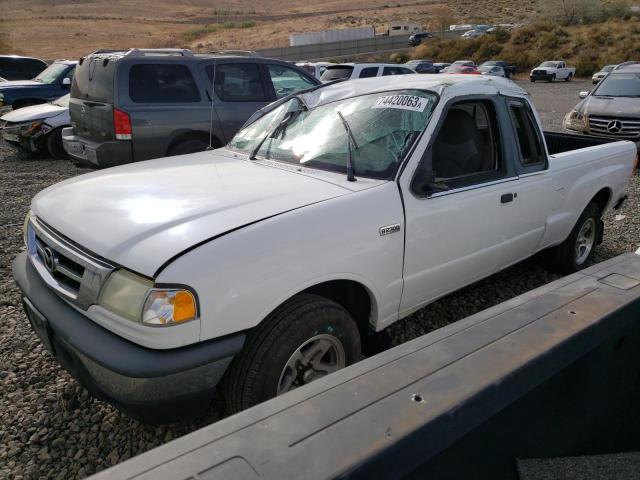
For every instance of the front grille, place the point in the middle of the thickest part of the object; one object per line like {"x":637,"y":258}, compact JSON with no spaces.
{"x":66,"y":272}
{"x":67,"y":269}
{"x":615,"y":127}
{"x":539,"y":72}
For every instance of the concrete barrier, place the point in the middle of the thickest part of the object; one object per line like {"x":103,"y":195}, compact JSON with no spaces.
{"x":326,"y":51}
{"x":553,"y":372}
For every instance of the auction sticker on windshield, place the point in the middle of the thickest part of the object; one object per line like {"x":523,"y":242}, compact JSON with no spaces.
{"x":403,"y":102}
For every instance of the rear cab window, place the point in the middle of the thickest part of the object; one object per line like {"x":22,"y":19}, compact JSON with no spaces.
{"x":395,"y":71}
{"x":529,"y":138}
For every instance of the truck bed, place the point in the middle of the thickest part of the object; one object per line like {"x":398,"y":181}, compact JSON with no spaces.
{"x":558,"y":142}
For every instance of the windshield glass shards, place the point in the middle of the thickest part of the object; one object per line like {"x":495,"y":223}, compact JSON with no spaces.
{"x":380,"y":125}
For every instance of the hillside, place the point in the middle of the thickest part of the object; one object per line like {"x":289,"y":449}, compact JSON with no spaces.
{"x":71,"y":28}
{"x":586,"y":47}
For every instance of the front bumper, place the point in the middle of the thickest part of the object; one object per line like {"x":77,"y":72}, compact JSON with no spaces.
{"x":104,"y":154}
{"x":540,"y":76}
{"x":155,"y":386}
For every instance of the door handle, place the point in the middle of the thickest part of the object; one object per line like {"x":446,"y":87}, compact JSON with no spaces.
{"x":507,"y":197}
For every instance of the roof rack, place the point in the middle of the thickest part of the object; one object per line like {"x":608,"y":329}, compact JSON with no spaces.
{"x":140,"y":52}
{"x":242,"y":53}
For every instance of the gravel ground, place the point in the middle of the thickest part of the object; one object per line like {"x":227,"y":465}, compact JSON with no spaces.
{"x":50,"y":427}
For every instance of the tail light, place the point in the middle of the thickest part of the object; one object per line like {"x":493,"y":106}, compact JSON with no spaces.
{"x":121,"y":124}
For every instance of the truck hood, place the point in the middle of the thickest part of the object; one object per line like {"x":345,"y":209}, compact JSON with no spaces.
{"x":143,"y":214}
{"x":610,"y":106}
{"x":34,"y":112}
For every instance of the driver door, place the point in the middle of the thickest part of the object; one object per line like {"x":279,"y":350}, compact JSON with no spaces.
{"x":471,"y":225}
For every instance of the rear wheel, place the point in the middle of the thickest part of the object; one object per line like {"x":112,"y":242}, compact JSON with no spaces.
{"x":54,"y":145}
{"x":576,"y":252}
{"x":305,"y":339}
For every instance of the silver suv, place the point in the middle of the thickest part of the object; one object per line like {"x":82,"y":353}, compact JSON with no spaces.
{"x":141,"y":104}
{"x":612,"y":108}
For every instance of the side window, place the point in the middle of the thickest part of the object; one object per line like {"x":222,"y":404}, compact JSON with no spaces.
{"x":467,"y":149}
{"x":369,"y":72}
{"x":162,"y":83}
{"x":395,"y":71}
{"x":237,"y":82}
{"x":529,"y":139}
{"x":69,"y":74}
{"x":32,"y":68}
{"x":286,"y":80}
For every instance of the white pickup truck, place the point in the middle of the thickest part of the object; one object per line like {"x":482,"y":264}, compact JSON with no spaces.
{"x":332,"y":214}
{"x":553,"y":70}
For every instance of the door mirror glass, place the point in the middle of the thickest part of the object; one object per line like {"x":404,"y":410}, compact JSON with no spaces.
{"x":584,"y":94}
{"x":66,"y":81}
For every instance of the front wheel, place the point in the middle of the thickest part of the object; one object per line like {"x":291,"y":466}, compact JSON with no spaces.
{"x":552,"y":78}
{"x":569,"y":77}
{"x":576,"y":252}
{"x":305,"y":339}
{"x":54,"y":145}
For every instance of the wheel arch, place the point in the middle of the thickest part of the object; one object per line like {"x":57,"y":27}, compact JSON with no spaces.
{"x":193,"y":135}
{"x":602,"y":198}
{"x":353,"y":295}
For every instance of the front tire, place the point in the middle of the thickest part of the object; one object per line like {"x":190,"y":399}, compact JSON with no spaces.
{"x":569,"y":78}
{"x":304,"y":339}
{"x":577,"y":251}
{"x":54,"y":145}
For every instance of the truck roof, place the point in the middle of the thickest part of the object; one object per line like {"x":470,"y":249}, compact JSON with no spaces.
{"x":456,"y":84}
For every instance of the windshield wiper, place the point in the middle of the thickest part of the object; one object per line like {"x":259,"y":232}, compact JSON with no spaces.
{"x":351,"y":138}
{"x":271,"y":134}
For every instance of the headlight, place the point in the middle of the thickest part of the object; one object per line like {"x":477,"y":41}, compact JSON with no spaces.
{"x":25,"y":228}
{"x":575,"y":120}
{"x":31,"y":128}
{"x":135,"y":298}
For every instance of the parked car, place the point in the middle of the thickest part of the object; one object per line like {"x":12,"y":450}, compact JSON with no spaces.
{"x":347,"y":71}
{"x":440,"y":66}
{"x":138,"y":104}
{"x":551,"y":71}
{"x":152,"y":282}
{"x":417,"y":38}
{"x":472,"y":34}
{"x":422,"y":66}
{"x":16,"y":67}
{"x":611,"y":109}
{"x":602,"y":73}
{"x":461,"y":69}
{"x":51,"y":83}
{"x":38,"y":128}
{"x":464,"y":63}
{"x":508,"y":69}
{"x":314,"y":68}
{"x":493,"y":71}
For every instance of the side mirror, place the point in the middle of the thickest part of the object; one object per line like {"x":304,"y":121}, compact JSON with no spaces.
{"x":427,"y":185}
{"x":66,"y":81}
{"x":584,"y":94}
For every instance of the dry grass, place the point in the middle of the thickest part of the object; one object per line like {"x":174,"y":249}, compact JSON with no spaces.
{"x":586,"y":47}
{"x":71,"y":28}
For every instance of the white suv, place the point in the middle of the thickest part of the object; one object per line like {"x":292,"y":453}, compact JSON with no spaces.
{"x":347,"y":71}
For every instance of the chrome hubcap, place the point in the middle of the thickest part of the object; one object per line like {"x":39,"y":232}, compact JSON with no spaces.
{"x":585,"y":241}
{"x":317,"y":357}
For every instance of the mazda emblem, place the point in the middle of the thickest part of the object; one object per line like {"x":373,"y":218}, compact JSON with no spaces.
{"x":614,"y":126}
{"x":50,"y":259}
